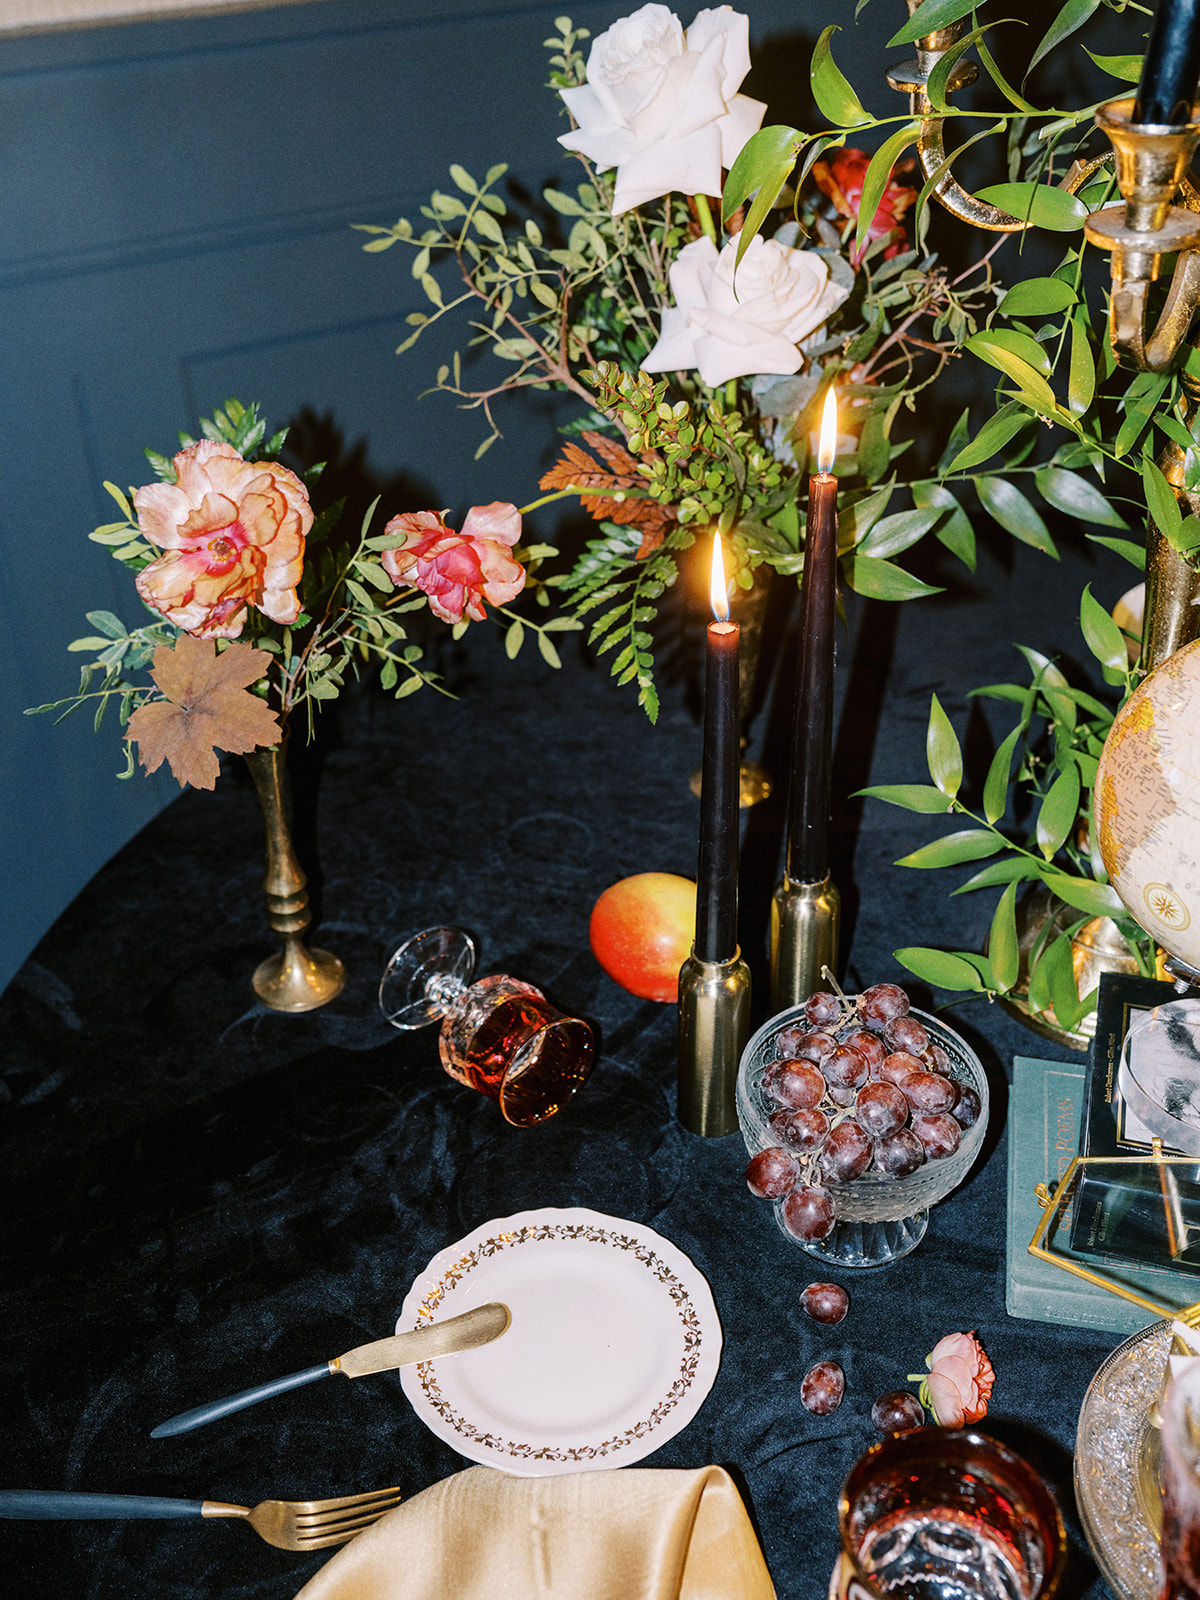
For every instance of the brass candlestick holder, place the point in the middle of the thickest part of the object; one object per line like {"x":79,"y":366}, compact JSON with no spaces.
{"x":714,"y":1025}
{"x":1152,"y":172}
{"x":805,"y":922}
{"x":1151,"y":162}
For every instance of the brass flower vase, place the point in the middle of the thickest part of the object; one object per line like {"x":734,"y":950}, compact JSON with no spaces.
{"x":297,"y":979}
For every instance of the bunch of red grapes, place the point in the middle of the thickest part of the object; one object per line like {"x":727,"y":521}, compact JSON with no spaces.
{"x":858,"y":1086}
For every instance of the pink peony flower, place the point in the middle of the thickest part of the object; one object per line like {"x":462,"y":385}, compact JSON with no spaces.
{"x":233,"y":533}
{"x":458,"y":571}
{"x":840,"y":176}
{"x":960,"y":1380}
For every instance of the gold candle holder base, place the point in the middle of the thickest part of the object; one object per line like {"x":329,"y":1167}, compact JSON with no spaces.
{"x":297,"y":979}
{"x":805,"y":918}
{"x":714,"y":1025}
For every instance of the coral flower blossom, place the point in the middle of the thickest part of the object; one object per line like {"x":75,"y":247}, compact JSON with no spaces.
{"x":840,"y":176}
{"x":960,"y":1380}
{"x":233,"y":534}
{"x":458,"y":571}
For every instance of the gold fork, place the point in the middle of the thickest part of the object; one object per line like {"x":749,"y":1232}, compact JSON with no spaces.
{"x":287,"y":1524}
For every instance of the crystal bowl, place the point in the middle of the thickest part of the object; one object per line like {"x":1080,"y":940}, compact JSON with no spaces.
{"x":879,"y":1218}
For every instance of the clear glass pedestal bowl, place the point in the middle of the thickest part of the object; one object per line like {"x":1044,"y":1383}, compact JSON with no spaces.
{"x":879,"y":1218}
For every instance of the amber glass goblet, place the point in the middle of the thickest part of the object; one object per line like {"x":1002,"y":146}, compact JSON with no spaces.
{"x":945,"y":1514}
{"x":498,"y":1035}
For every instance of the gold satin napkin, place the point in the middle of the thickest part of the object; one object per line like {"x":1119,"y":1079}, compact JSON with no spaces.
{"x":634,"y":1533}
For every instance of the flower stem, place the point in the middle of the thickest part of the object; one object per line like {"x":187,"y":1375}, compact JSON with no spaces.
{"x":548,"y":499}
{"x":704,"y":213}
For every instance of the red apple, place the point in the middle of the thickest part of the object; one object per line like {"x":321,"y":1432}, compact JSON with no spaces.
{"x":641,"y":932}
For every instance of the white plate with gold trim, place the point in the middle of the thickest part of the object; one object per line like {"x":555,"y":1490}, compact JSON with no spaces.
{"x":613,"y":1346}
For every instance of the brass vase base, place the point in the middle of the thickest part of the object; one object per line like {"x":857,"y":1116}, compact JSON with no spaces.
{"x":754,"y":784}
{"x":1097,"y":947}
{"x":299,"y":979}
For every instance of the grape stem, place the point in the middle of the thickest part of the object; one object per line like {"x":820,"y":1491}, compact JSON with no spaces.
{"x":837,"y":989}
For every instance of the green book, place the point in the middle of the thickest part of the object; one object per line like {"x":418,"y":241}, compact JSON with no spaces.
{"x":1043,"y":1137}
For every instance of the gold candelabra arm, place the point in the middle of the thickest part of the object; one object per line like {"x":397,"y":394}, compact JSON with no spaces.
{"x":913,"y":79}
{"x":1171,"y":616}
{"x":1152,"y":172}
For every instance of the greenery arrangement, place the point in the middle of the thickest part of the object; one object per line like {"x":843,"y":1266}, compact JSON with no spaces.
{"x":1068,"y":423}
{"x":1039,"y":788}
{"x":1046,"y":338}
{"x":698,"y":396}
{"x":263,"y":610}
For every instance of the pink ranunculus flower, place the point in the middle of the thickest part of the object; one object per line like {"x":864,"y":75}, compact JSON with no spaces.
{"x":661,"y":104}
{"x":458,"y":571}
{"x":232,"y":532}
{"x":725,"y":326}
{"x":960,"y":1380}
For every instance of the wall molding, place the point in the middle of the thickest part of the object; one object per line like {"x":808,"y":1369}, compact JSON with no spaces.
{"x":48,"y":16}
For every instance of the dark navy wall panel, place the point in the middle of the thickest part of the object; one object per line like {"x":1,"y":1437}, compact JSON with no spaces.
{"x":175,"y":227}
{"x":176,"y":202}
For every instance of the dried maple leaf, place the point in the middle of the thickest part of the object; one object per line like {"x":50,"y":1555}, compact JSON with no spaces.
{"x":619,"y":476}
{"x":207,"y":708}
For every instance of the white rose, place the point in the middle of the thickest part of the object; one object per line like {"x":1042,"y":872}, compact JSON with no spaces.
{"x":783,"y":296}
{"x":662,"y":106}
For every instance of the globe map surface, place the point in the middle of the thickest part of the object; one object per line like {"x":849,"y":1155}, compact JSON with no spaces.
{"x":1147,"y":804}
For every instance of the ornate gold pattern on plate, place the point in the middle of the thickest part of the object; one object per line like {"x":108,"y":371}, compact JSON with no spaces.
{"x":690,"y":1322}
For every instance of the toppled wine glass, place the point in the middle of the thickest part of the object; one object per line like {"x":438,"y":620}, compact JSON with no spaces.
{"x":498,"y":1035}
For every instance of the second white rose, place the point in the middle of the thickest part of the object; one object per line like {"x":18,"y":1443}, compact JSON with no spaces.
{"x":783,"y":296}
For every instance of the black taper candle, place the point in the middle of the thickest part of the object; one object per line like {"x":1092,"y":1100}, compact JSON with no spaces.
{"x":809,"y":798}
{"x":717,"y":873}
{"x":1172,"y":65}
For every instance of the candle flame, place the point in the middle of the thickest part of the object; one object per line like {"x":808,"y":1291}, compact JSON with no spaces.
{"x":718,"y":589}
{"x":828,"y":444}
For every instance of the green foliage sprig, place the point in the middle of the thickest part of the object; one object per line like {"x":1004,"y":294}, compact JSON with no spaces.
{"x":1043,"y":771}
{"x":563,"y":295}
{"x":1046,"y":337}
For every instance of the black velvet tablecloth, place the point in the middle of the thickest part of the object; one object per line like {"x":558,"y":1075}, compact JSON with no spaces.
{"x":200,"y":1194}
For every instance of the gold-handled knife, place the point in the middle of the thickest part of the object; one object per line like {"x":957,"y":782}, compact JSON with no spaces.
{"x":448,"y":1338}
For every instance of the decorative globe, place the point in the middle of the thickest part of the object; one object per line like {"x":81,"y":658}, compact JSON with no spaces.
{"x":1146,"y":804}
